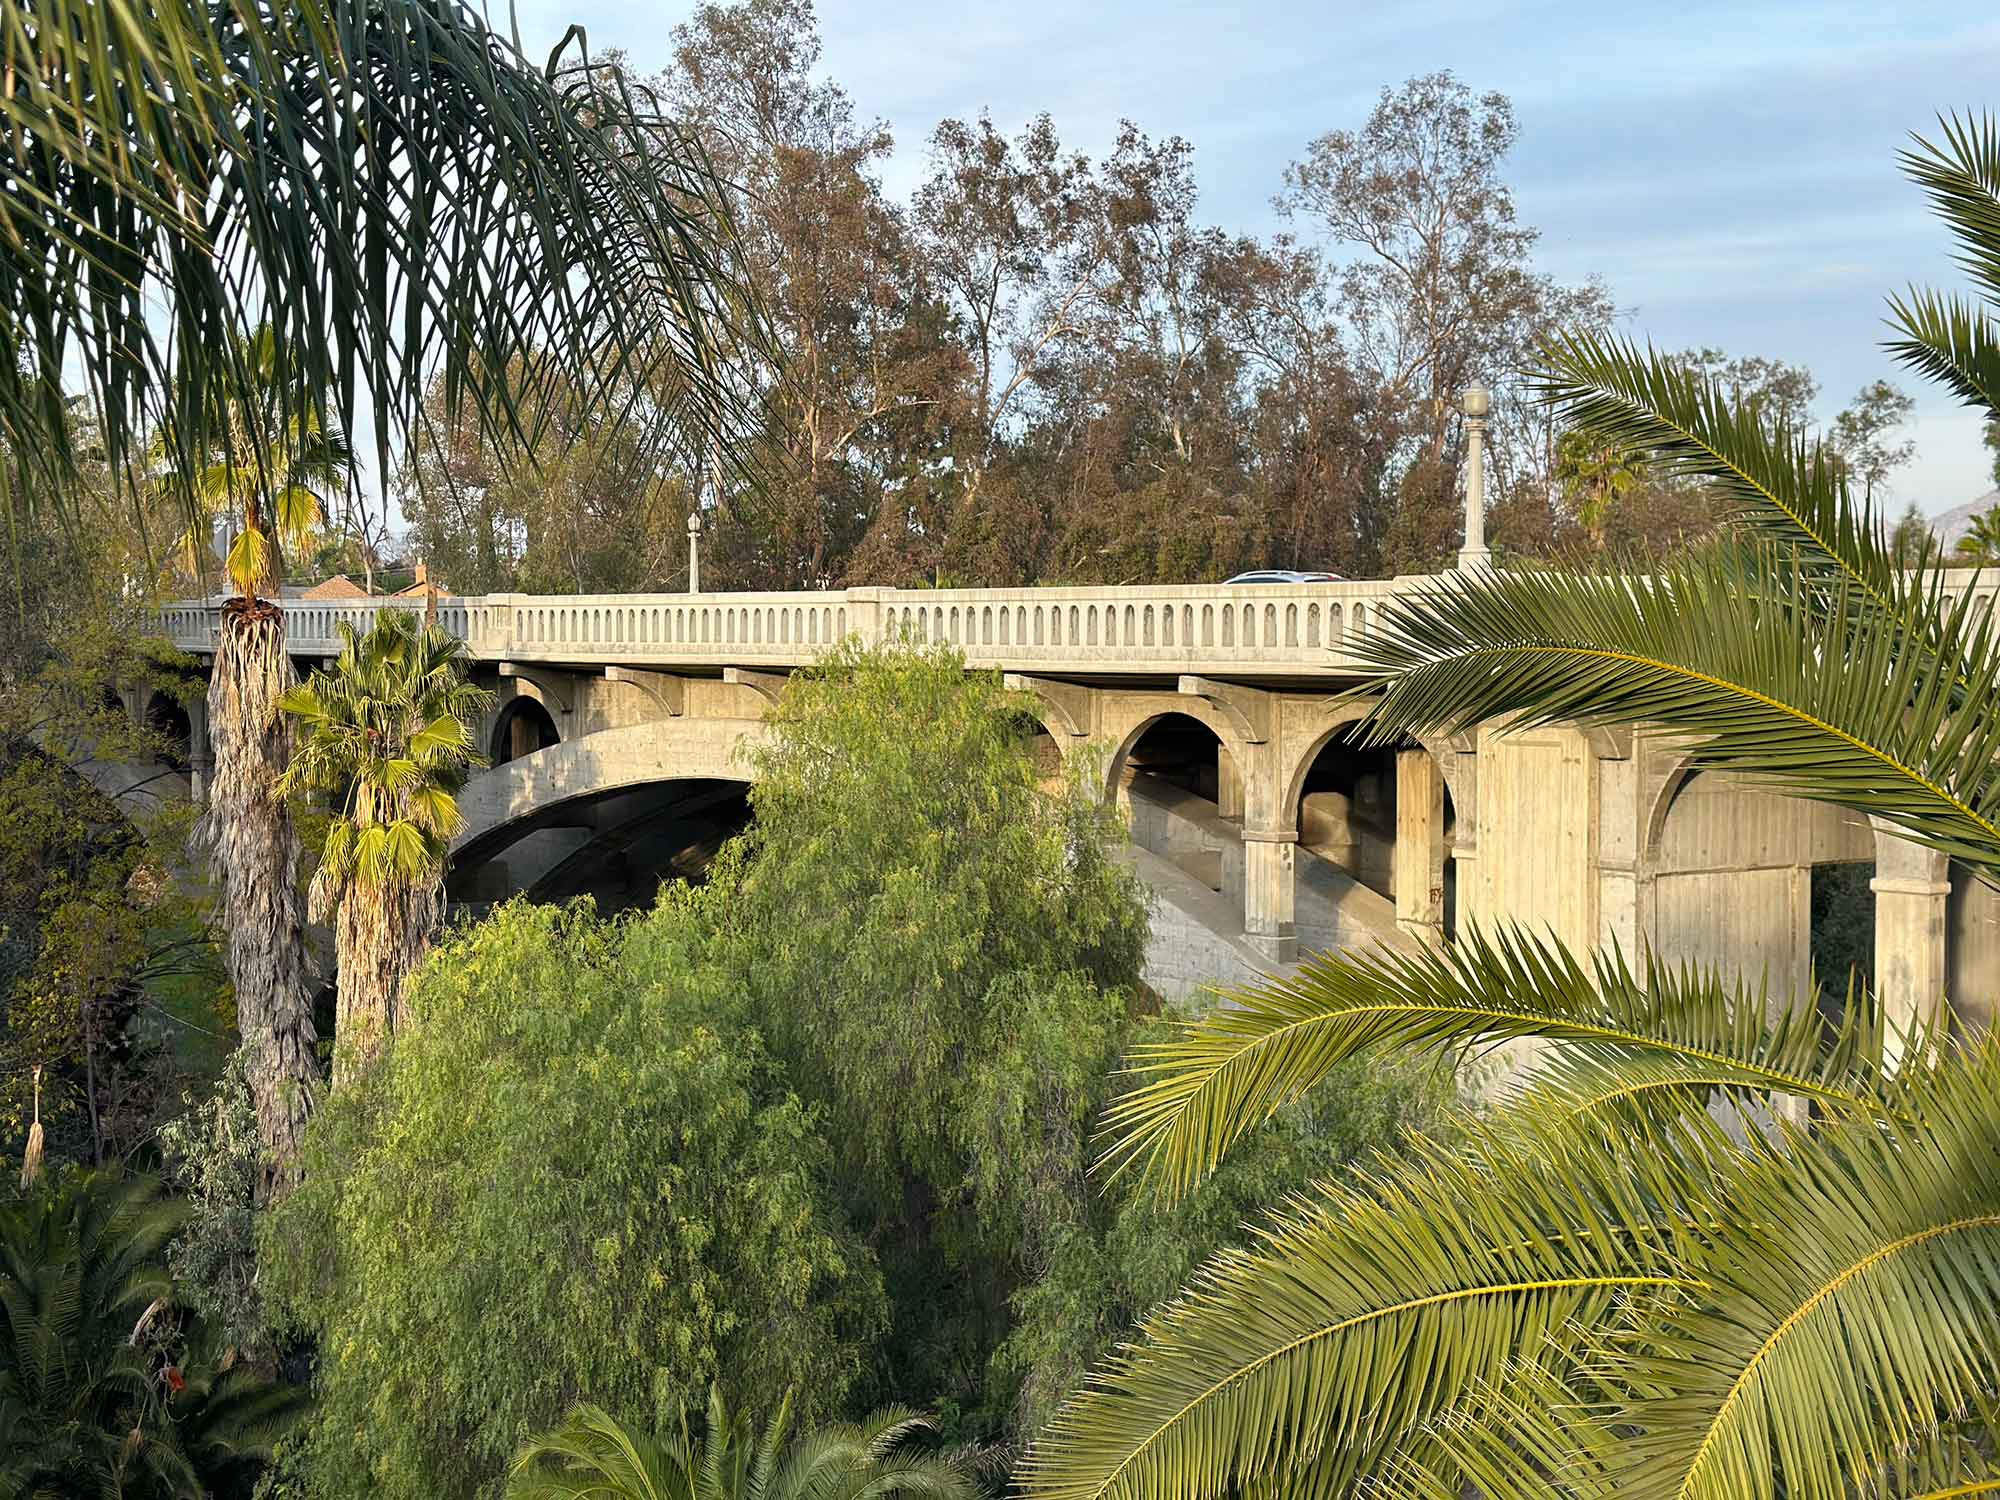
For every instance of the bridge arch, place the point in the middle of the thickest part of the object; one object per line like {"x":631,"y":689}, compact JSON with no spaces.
{"x":1386,"y":818}
{"x":513,"y":795}
{"x":610,"y":815}
{"x":524,"y":726}
{"x":1125,"y":729}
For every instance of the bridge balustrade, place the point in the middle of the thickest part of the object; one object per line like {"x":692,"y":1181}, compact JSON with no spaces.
{"x":1137,"y":629}
{"x":1145,"y":629}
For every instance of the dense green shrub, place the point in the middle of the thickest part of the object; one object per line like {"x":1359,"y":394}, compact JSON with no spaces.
{"x":564,"y":1181}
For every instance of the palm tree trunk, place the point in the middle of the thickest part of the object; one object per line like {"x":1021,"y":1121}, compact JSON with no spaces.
{"x":381,"y":933}
{"x":254,"y":852}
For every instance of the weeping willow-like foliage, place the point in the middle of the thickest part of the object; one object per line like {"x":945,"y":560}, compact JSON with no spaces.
{"x":1605,"y":1294}
{"x":594,"y":1456}
{"x":388,"y":730}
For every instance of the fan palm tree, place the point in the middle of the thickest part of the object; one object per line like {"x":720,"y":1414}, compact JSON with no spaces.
{"x":388,"y":731}
{"x":1605,"y":1292}
{"x":265,"y":481}
{"x":90,"y":1401}
{"x":1981,"y":543}
{"x":391,"y":192}
{"x":1598,"y":475}
{"x":594,"y":1455}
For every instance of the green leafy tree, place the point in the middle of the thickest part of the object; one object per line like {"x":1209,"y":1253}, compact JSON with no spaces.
{"x":110,"y":983}
{"x":1912,"y":542}
{"x":1603,"y":1291}
{"x":1860,"y":435}
{"x":213,"y":1161}
{"x":388,"y":731}
{"x":594,"y":1456}
{"x":99,"y":1392}
{"x":970,"y":947}
{"x":941,"y":945}
{"x":208,"y":165}
{"x":569,"y":1174}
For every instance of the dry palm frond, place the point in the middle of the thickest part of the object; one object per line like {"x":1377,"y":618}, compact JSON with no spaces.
{"x":31,"y":1159}
{"x":254,"y":849}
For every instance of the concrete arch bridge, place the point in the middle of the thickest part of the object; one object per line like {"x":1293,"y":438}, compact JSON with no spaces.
{"x":1222,"y":722}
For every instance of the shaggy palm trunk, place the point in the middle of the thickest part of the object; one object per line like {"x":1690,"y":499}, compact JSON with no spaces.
{"x":381,"y":933}
{"x":254,"y":851}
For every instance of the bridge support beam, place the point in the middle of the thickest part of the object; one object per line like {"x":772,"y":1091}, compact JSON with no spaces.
{"x":1247,"y":709}
{"x":770,"y":686}
{"x":554,"y":693}
{"x":1268,"y":920}
{"x":667,"y":691}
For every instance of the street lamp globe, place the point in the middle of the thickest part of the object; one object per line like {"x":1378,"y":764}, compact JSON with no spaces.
{"x":694,"y":524}
{"x":1477,"y":400}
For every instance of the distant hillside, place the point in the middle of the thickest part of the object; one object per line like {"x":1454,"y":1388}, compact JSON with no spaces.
{"x":1949,"y":526}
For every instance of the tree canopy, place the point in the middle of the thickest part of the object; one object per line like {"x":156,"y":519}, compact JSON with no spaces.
{"x":564,"y":1180}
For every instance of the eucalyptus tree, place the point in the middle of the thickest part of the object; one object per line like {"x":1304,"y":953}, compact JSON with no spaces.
{"x":593,"y":1454}
{"x":388,"y":730}
{"x":1605,"y":1292}
{"x":394,"y":192}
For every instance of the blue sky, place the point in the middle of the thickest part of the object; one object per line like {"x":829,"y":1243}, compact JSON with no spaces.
{"x":1729,"y":170}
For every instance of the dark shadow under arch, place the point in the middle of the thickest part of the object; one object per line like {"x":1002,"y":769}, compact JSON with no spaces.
{"x":523,"y":726}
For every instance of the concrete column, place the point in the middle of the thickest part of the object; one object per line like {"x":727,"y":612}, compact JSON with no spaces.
{"x":1911,"y":886}
{"x":1228,"y":785}
{"x":201,"y":755}
{"x":1419,"y":866}
{"x":1475,"y":553}
{"x":1267,"y":893}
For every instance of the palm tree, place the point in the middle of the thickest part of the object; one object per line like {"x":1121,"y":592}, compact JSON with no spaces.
{"x":594,"y":1455}
{"x":1606,"y":1291}
{"x":265,"y":479}
{"x":392,"y":192}
{"x":388,"y":730}
{"x":1981,"y":543}
{"x":1599,"y":474}
{"x":95,"y":1397}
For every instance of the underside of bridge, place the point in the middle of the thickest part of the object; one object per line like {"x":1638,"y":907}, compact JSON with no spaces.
{"x":615,"y":847}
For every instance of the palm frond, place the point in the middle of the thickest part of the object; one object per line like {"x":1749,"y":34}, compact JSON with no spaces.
{"x":1775,"y":483}
{"x":1960,"y":174}
{"x":593,"y":1454}
{"x":1364,"y":1314}
{"x":1851,"y":1297}
{"x":389,"y":189}
{"x":1684,"y":1027}
{"x":1950,"y":341}
{"x":1737,"y":648}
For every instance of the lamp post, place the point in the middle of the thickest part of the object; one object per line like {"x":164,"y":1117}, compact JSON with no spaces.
{"x":1476,"y":402}
{"x":694,"y":552}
